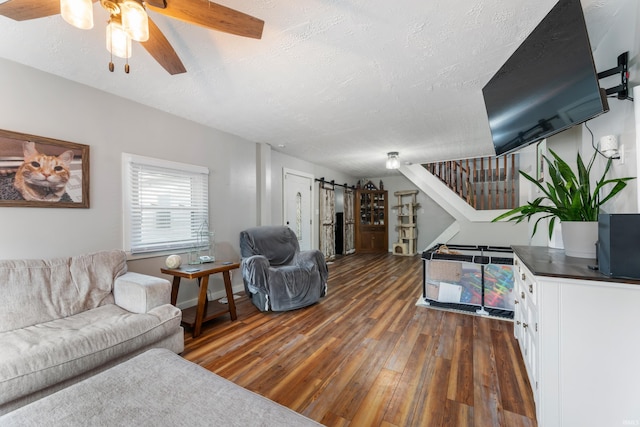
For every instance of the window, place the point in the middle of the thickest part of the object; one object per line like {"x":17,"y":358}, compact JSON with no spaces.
{"x":166,"y":204}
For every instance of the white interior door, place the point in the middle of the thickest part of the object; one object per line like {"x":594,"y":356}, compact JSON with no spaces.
{"x":297,"y":196}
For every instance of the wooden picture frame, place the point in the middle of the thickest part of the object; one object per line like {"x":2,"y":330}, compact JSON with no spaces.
{"x":55,"y":175}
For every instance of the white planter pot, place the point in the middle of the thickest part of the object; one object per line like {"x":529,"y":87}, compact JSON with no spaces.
{"x":580,"y":238}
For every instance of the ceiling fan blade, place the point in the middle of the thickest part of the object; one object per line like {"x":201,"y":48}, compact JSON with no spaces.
{"x":157,"y":3}
{"x":162,"y":51}
{"x":23,"y":10}
{"x":214,"y":16}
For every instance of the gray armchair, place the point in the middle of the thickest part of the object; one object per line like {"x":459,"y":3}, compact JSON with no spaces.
{"x":277,"y":275}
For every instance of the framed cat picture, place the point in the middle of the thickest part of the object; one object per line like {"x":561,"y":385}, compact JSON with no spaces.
{"x":43,"y":172}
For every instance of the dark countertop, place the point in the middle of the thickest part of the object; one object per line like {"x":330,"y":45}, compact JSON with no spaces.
{"x":544,"y":261}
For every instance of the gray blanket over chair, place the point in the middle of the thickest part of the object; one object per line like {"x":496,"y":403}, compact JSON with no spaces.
{"x":276,"y":274}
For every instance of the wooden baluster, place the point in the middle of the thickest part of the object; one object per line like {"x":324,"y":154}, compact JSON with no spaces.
{"x":460,"y":177}
{"x":467,"y":182}
{"x":490,"y":182}
{"x":504,"y":182}
{"x":497,"y":181}
{"x":482,"y":183}
{"x":475,"y":185}
{"x":452,"y":177}
{"x":513,"y":181}
{"x":454,"y":182}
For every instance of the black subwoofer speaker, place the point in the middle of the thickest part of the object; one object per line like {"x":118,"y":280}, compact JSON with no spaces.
{"x":619,"y":245}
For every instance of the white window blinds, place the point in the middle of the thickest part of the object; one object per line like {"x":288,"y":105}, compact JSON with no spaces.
{"x":166,"y":204}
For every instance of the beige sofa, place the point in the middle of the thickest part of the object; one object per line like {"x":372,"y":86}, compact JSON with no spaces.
{"x":65,"y":319}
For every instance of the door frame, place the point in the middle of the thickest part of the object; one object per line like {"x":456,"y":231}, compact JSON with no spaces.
{"x":285,"y":172}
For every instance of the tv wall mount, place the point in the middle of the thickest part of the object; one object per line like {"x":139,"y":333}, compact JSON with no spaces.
{"x":622,"y":90}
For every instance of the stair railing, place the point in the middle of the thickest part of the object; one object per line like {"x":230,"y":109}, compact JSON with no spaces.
{"x":485,"y":183}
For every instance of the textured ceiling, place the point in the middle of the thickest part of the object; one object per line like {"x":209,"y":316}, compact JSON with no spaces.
{"x":334,"y":82}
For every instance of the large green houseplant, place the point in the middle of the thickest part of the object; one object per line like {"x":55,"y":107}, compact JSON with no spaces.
{"x":567,"y":196}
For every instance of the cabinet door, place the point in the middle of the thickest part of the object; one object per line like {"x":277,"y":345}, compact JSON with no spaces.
{"x":373,"y":241}
{"x":520,"y":307}
{"x":366,"y":211}
{"x":530,"y":330}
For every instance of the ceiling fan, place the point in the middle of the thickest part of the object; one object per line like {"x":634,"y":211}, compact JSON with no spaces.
{"x":199,"y":12}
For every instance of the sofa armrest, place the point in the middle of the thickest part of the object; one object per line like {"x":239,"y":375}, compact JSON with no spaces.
{"x":255,"y":272}
{"x":139,"y":293}
{"x":314,"y":256}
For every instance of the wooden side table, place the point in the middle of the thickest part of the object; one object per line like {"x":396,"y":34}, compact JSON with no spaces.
{"x":205,"y":310}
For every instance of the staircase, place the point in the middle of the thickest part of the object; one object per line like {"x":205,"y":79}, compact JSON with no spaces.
{"x":485,"y":183}
{"x":473,"y":192}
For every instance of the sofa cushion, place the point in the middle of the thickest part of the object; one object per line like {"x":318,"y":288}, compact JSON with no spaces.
{"x":156,"y":388}
{"x":38,"y":291}
{"x":38,"y":356}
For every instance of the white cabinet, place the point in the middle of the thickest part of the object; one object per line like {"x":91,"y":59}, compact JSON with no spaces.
{"x":580,"y":341}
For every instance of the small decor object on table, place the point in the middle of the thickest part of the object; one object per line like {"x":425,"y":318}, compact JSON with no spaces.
{"x":194,"y":256}
{"x":173,"y":261}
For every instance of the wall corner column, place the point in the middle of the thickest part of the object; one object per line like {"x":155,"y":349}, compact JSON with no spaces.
{"x":263,"y":184}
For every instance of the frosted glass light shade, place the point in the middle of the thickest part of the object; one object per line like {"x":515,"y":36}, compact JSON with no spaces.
{"x":118,"y":41}
{"x":78,"y":13}
{"x":135,"y":20}
{"x":392,"y":160}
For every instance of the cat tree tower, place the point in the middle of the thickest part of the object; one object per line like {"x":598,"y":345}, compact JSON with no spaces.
{"x":407,"y":228}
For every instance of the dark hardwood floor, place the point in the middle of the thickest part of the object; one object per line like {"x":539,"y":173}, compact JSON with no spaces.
{"x":366,"y":355}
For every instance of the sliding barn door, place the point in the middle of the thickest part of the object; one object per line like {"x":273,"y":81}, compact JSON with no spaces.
{"x":349,"y":221}
{"x":327,"y":222}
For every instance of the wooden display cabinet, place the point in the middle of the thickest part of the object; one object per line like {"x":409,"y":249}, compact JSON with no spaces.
{"x":371,"y":220}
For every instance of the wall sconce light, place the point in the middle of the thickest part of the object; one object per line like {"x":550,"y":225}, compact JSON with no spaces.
{"x":609,"y":147}
{"x":392,"y":160}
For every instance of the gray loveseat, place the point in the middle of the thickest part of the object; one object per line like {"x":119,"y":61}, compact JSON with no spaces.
{"x":64,"y":319}
{"x":277,"y":275}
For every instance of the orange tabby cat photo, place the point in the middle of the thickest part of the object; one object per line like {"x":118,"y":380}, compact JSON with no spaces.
{"x":40,"y":177}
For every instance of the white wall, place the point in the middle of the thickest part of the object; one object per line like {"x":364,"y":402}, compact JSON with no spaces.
{"x":42,"y":104}
{"x":620,"y":120}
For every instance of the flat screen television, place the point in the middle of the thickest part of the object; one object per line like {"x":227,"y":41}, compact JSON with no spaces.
{"x":548,"y":85}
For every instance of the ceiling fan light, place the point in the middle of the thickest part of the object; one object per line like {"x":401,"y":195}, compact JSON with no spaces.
{"x":78,"y":13}
{"x":118,"y":41}
{"x":135,"y":20}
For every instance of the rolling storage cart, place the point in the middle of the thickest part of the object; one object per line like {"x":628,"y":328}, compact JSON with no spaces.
{"x":475,"y":279}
